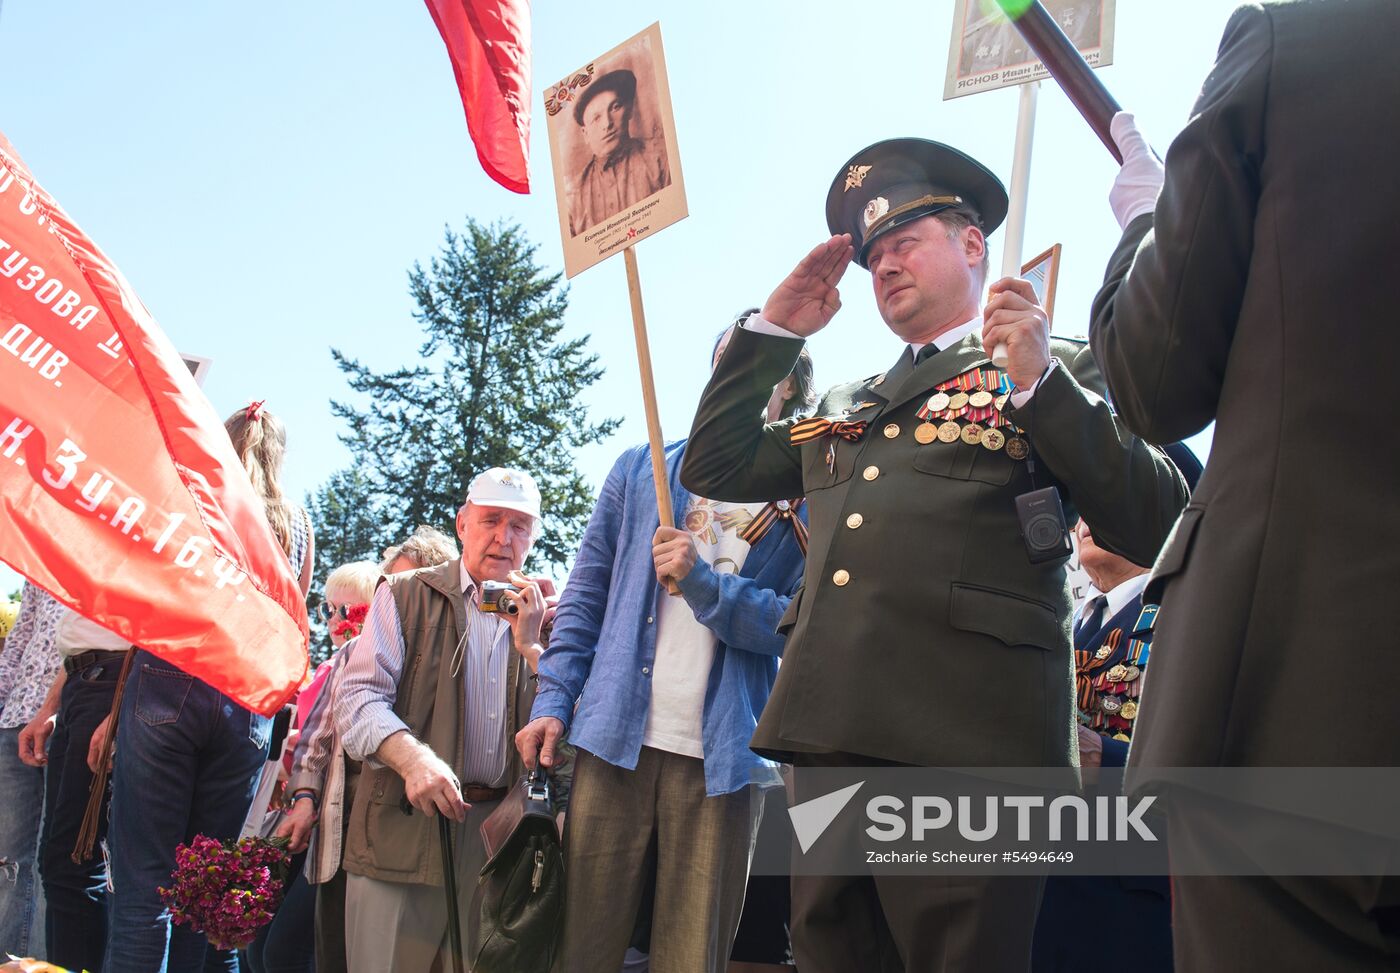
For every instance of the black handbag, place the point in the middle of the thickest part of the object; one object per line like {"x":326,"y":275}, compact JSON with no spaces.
{"x":519,"y":901}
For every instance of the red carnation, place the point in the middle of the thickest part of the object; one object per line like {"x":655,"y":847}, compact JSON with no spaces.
{"x":354,"y":620}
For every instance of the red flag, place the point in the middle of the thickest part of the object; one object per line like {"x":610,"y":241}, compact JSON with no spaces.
{"x":489,"y":43}
{"x":120,"y":492}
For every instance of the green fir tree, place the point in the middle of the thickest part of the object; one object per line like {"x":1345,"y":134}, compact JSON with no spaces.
{"x":497,"y":385}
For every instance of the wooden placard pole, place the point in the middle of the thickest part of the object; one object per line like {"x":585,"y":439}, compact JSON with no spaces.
{"x":591,"y":231}
{"x":658,"y":449}
{"x":658,"y":446}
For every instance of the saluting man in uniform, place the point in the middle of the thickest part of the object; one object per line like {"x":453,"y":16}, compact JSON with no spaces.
{"x":924,"y":634}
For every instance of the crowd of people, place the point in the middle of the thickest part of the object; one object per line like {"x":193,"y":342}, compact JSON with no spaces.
{"x":848,"y":582}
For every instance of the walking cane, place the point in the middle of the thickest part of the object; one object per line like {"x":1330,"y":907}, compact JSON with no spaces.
{"x":449,"y":877}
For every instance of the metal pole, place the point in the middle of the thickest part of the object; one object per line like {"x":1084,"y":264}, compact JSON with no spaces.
{"x":1014,"y":242}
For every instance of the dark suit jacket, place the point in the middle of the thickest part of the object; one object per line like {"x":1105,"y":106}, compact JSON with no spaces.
{"x":945,"y":646}
{"x":1112,"y":645}
{"x":1262,"y":294}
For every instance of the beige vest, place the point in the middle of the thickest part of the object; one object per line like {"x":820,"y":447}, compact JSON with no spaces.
{"x":382,"y":841}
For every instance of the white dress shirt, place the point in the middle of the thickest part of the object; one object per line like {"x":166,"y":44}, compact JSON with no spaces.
{"x":1120,"y":595}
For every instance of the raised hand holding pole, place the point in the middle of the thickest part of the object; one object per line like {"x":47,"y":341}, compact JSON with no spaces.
{"x":1067,"y":66}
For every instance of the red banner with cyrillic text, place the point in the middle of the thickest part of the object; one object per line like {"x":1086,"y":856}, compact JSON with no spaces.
{"x":120,"y":492}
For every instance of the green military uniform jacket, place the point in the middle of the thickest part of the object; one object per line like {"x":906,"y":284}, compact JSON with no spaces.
{"x":922,"y":633}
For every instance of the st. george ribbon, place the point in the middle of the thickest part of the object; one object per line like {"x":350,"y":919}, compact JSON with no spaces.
{"x":1067,"y":66}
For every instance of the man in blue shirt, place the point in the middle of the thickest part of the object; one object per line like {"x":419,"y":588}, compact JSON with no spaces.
{"x":668,"y":691}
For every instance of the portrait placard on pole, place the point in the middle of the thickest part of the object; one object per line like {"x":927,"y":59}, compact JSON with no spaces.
{"x":617,"y":177}
{"x":987,"y":52}
{"x":1043,"y":271}
{"x":612,"y":140}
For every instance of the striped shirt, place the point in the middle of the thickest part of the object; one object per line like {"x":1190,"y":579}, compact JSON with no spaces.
{"x":312,"y":757}
{"x":364,"y":706}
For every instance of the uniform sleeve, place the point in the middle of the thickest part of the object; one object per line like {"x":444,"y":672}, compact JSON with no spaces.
{"x":1164,"y":320}
{"x":731,"y":454}
{"x":1128,"y":491}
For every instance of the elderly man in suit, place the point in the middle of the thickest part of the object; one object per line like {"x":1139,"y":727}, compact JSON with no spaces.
{"x":1112,"y":641}
{"x":925,"y":633}
{"x":1259,"y":291}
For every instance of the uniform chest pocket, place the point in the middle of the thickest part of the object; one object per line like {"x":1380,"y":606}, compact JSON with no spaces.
{"x":822,"y":469}
{"x":960,"y":461}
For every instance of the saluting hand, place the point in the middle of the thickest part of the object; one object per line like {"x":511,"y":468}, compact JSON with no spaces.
{"x":1012,"y":317}
{"x":807,"y":300}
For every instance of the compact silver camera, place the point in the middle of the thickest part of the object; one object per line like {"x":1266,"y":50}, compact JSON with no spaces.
{"x":493,"y":603}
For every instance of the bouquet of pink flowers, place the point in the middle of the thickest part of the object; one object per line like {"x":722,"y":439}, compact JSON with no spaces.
{"x":227,"y":890}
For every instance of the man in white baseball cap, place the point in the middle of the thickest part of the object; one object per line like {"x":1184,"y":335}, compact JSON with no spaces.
{"x":431,"y":709}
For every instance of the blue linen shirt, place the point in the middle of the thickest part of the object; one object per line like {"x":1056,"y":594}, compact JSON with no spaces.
{"x":603,"y":647}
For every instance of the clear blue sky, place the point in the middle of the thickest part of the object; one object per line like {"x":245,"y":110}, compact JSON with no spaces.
{"x":265,"y":173}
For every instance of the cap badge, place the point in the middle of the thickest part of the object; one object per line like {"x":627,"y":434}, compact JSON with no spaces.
{"x":855,"y":175}
{"x":505,"y":479}
{"x":875,"y":209}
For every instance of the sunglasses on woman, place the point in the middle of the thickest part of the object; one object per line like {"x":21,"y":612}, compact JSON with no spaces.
{"x":328,"y":611}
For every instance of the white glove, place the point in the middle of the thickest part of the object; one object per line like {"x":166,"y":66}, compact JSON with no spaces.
{"x":1135,"y":190}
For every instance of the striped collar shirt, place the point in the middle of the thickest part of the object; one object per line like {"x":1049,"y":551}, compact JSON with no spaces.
{"x":364,"y":706}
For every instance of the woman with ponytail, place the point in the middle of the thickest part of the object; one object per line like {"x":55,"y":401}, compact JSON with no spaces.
{"x":260,"y":440}
{"x":188,"y":757}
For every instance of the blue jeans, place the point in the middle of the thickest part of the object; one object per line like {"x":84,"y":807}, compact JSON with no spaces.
{"x":21,"y":809}
{"x":188,"y":762}
{"x":287,"y":944}
{"x":75,"y":915}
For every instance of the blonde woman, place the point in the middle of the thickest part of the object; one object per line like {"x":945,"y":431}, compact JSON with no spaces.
{"x":189,"y":757}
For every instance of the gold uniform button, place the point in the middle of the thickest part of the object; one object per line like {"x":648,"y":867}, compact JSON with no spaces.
{"x":871,"y":472}
{"x":891,"y":431}
{"x":841,"y":578}
{"x":854,"y":521}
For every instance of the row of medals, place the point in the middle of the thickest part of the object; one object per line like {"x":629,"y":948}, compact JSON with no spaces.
{"x":1115,"y":682}
{"x":948,"y":408}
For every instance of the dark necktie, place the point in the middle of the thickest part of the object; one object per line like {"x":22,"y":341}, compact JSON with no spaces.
{"x":1090,"y":621}
{"x":925,"y":353}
